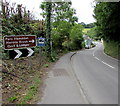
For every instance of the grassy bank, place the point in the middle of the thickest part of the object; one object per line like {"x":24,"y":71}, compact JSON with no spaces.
{"x":22,"y":78}
{"x":32,"y":90}
{"x":111,"y":48}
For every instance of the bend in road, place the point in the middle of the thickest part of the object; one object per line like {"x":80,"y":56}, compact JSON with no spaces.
{"x":98,"y":75}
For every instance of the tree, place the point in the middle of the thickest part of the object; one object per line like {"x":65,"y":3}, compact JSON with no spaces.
{"x":62,"y":19}
{"x":107,"y":16}
{"x":76,"y":37}
{"x":61,"y":11}
{"x":48,"y":28}
{"x":15,"y":19}
{"x":60,"y":34}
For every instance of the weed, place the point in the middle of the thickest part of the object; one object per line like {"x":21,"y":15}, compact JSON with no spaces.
{"x":31,"y":91}
{"x":46,"y":65}
{"x":12,"y":99}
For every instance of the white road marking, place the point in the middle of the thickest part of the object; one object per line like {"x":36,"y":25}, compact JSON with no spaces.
{"x":97,"y":58}
{"x":107,"y":64}
{"x":110,"y":56}
{"x":102,"y":61}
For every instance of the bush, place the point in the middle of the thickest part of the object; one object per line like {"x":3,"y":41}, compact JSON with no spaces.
{"x":76,"y":37}
{"x":4,"y":54}
{"x":60,"y":33}
{"x":83,"y":44}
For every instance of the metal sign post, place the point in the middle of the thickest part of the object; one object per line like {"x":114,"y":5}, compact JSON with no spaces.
{"x":41,"y":42}
{"x":40,"y":56}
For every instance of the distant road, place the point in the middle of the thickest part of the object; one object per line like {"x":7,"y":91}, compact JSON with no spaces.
{"x":97,"y":74}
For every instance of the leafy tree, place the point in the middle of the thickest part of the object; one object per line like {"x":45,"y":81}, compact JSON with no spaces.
{"x":107,"y":16}
{"x":76,"y":37}
{"x":16,"y":20}
{"x":61,"y":11}
{"x":62,"y":18}
{"x":60,"y":34}
{"x":48,"y":28}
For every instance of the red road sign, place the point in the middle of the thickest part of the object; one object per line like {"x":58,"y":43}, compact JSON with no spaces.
{"x":15,"y":42}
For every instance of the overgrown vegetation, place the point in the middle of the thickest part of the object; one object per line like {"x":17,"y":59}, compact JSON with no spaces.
{"x":59,"y":27}
{"x":64,"y":24}
{"x":107,"y":16}
{"x":20,"y":81}
{"x":55,"y":27}
{"x":31,"y":92}
{"x":16,"y":20}
{"x":112,"y":49}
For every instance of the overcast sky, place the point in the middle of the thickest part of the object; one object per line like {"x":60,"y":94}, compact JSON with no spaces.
{"x":83,"y":8}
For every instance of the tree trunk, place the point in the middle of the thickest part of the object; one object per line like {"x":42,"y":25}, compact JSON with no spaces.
{"x":48,"y":28}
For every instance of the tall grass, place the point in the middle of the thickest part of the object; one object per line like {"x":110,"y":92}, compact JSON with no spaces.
{"x":112,"y":48}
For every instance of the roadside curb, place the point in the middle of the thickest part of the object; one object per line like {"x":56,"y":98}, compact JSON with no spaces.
{"x":72,"y":55}
{"x":79,"y":83}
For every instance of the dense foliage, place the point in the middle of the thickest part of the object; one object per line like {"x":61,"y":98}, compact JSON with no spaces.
{"x":63,"y":20}
{"x":59,"y":25}
{"x":16,"y":20}
{"x":107,"y":15}
{"x":60,"y":34}
{"x":76,"y":36}
{"x":61,"y":11}
{"x":92,"y":33}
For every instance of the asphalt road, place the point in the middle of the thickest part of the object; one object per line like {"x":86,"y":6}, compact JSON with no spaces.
{"x":97,"y":74}
{"x":61,"y":86}
{"x":84,"y":77}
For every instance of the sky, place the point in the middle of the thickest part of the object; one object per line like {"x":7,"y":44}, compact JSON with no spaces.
{"x":83,"y":8}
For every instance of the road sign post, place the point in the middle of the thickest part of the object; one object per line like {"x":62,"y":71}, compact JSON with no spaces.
{"x":41,"y":42}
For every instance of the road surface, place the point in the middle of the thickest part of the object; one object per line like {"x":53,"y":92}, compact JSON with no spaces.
{"x":83,"y":77}
{"x":97,"y":74}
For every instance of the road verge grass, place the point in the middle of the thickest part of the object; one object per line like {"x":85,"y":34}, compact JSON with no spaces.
{"x":111,"y":48}
{"x":31,"y":92}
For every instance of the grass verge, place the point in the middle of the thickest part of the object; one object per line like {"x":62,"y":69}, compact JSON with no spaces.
{"x":31,"y":92}
{"x":111,"y":48}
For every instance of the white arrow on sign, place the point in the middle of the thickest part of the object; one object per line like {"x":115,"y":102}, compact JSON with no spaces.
{"x":32,"y":41}
{"x":30,"y":51}
{"x":19,"y":53}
